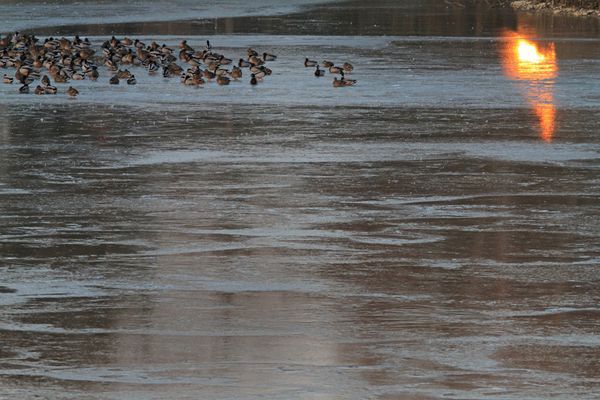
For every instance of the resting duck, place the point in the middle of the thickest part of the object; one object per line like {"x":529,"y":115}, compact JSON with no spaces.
{"x":222,"y":80}
{"x":244,"y":64}
{"x":72,"y":92}
{"x":51,"y":90}
{"x":123,"y":74}
{"x":7,"y":79}
{"x":236,"y":72}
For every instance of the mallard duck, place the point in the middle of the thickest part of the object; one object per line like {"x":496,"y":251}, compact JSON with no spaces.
{"x":27,"y":80}
{"x":51,"y":90}
{"x":128,"y":58}
{"x":123,"y":74}
{"x":193,"y":80}
{"x":72,"y":92}
{"x":60,"y":78}
{"x":319,"y":72}
{"x":153,"y":68}
{"x":131,"y":80}
{"x":222,"y":80}
{"x":327,"y":64}
{"x":111,"y":65}
{"x":343,"y":82}
{"x":224,"y":60}
{"x":78,"y":76}
{"x":93,"y":74}
{"x":244,"y":64}
{"x":208,"y":75}
{"x":7,"y":79}
{"x":236,"y":72}
{"x":335,"y":70}
{"x":253,"y":80}
{"x":114,"y":80}
{"x":310,"y":63}
{"x":348,"y":67}
{"x":255,"y":60}
{"x":269,"y":57}
{"x":348,"y":81}
{"x":39,"y":90}
{"x":126,"y":41}
{"x":25,"y":70}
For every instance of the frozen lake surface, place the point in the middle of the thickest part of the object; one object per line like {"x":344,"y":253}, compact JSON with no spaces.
{"x":431,"y":233}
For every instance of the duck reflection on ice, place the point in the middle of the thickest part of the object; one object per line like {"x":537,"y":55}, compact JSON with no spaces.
{"x":534,"y":66}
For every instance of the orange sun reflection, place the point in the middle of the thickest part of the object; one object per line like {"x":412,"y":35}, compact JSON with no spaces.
{"x":535,"y":67}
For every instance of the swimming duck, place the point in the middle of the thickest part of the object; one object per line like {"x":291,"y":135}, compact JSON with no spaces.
{"x":335,"y":70}
{"x":24,"y":89}
{"x":310,"y":63}
{"x":253,"y":80}
{"x":343,"y":82}
{"x":319,"y":72}
{"x":348,"y":67}
{"x":72,"y":92}
{"x":327,"y":64}
{"x":348,"y":81}
{"x":131,"y":80}
{"x":114,"y":80}
{"x":7,"y":79}
{"x":39,"y":90}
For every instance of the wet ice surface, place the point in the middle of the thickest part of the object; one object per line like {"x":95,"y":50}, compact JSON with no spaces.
{"x":411,"y":237}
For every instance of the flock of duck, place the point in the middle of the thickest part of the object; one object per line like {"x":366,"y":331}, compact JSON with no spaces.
{"x":68,"y":60}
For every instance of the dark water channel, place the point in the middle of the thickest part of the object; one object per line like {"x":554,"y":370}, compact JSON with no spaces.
{"x":432,"y":233}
